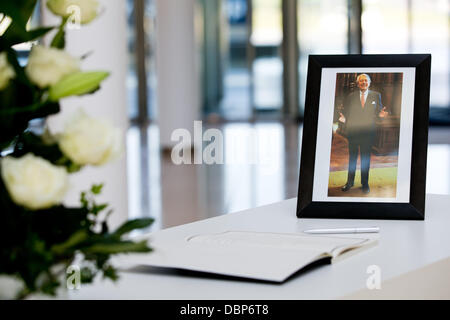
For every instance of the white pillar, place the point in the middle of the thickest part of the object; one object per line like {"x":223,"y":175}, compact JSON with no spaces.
{"x":106,"y":37}
{"x":176,"y":66}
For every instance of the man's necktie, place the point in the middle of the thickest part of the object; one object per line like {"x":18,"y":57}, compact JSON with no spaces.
{"x":362,"y":100}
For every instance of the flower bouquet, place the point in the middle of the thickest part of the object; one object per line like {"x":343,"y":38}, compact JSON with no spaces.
{"x":40,"y":237}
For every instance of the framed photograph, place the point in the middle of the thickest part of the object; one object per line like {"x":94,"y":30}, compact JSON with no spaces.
{"x":365,"y":136}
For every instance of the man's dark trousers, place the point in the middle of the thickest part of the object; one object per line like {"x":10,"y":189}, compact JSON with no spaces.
{"x":364,"y":143}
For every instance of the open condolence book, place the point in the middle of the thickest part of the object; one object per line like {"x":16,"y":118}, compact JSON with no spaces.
{"x":255,"y":255}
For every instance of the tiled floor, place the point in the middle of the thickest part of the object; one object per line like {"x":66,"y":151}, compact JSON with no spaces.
{"x":261,"y":165}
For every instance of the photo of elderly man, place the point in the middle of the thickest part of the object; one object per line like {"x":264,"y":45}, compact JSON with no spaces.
{"x":366,"y":126}
{"x":361,"y":109}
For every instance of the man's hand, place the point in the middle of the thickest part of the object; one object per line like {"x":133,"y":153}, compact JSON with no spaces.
{"x":383,"y":113}
{"x":341,"y":118}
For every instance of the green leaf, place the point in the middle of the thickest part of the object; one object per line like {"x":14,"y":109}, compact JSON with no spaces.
{"x":117,"y":247}
{"x":41,"y":109}
{"x":77,"y":84}
{"x":110,"y":272}
{"x":15,"y":101}
{"x":21,"y":77}
{"x":97,"y":188}
{"x":59,"y":40}
{"x":14,"y":118}
{"x":15,"y":35}
{"x":98,"y":207}
{"x":19,"y":10}
{"x":132,"y":225}
{"x":66,"y":162}
{"x":87,"y":275}
{"x":83,"y":200}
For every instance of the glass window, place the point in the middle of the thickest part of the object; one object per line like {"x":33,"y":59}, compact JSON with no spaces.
{"x":322,"y":29}
{"x":132,"y":80}
{"x":235,"y":101}
{"x":385,"y":26}
{"x":430,"y":33}
{"x":412,"y":26}
{"x":267,"y":66}
{"x":150,"y":42}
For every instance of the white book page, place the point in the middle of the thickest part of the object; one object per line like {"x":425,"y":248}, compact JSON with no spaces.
{"x":255,"y":255}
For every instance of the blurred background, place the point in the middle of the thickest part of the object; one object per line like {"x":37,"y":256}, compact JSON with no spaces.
{"x":240,"y":66}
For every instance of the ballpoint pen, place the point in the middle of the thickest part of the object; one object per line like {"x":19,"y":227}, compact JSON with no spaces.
{"x":343,"y":230}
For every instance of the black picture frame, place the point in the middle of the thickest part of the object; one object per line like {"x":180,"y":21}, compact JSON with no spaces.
{"x":415,"y":209}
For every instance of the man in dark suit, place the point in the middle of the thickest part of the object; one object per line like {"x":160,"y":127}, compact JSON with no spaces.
{"x":361,"y":110}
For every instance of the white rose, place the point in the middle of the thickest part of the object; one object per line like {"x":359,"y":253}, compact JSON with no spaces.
{"x":34,"y":182}
{"x":6,"y":71}
{"x":87,"y":140}
{"x":86,"y":9}
{"x":47,"y":66}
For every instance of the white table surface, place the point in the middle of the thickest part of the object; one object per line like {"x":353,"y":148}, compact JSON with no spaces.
{"x":403,"y":246}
